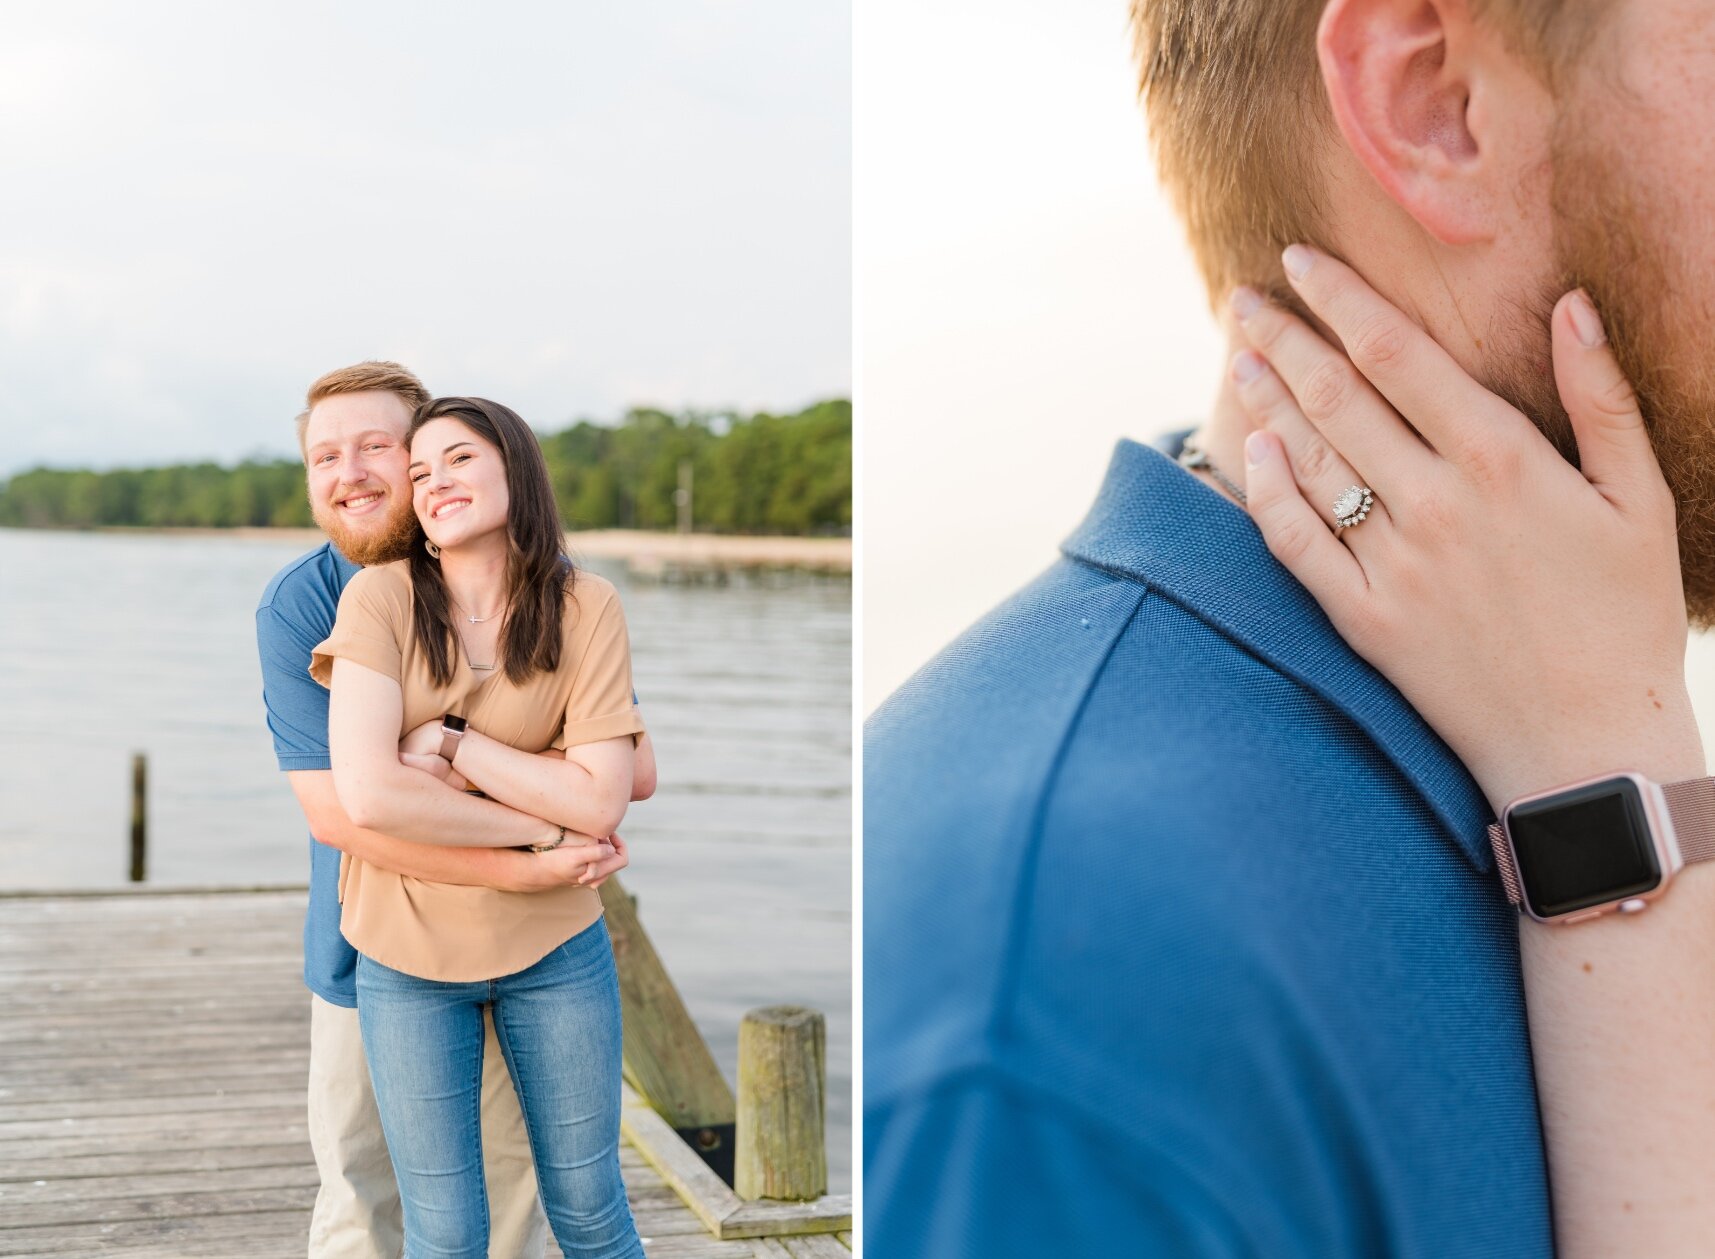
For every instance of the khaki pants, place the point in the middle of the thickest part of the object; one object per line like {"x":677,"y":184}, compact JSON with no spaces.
{"x":357,"y":1209}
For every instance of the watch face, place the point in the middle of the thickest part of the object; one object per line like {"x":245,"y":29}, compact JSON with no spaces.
{"x":1584,"y":847}
{"x":455,"y":724}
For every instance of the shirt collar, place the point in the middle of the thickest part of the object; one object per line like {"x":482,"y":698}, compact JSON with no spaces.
{"x":343,"y":567}
{"x":1157,"y":523}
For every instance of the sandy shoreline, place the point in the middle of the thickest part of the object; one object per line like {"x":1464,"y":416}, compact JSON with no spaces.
{"x":642,"y":549}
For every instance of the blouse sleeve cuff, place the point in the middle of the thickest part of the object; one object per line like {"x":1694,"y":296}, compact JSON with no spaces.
{"x":371,"y":653}
{"x":595,"y":729}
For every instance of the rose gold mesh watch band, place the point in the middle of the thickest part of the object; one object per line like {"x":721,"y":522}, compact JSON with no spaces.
{"x":1691,"y":805}
{"x":1504,"y":862}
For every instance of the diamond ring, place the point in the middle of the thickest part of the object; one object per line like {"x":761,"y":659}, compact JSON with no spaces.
{"x":1352,"y":506}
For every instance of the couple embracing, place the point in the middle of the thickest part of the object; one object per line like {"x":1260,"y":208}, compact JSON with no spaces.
{"x":452,"y":703}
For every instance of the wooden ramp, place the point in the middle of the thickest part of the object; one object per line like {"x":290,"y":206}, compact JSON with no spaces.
{"x":154,"y":1050}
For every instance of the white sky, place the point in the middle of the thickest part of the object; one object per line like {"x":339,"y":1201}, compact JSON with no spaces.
{"x":1025,"y":298}
{"x":572,"y":208}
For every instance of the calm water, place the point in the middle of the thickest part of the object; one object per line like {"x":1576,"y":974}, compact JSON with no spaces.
{"x":742,"y":863}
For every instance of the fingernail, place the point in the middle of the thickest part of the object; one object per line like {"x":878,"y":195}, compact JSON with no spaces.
{"x":1245,"y":302}
{"x":1258,"y":446}
{"x":1585,"y":321}
{"x":1296,"y":259}
{"x":1247,"y":366}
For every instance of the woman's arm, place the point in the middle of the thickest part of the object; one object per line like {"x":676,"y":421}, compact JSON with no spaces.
{"x":506,"y":869}
{"x":425,"y":740}
{"x":587,"y":791}
{"x":643,"y":768}
{"x":379,"y":793}
{"x":1534,"y":614}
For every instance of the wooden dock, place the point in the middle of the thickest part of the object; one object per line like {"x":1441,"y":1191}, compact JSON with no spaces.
{"x":154,"y":1052}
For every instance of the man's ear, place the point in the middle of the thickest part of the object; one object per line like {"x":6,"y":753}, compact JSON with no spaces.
{"x":1405,"y":79}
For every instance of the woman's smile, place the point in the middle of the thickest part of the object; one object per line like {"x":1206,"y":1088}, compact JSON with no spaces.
{"x":442,"y":510}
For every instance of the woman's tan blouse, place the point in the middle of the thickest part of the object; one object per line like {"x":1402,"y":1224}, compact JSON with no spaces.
{"x":441,"y":930}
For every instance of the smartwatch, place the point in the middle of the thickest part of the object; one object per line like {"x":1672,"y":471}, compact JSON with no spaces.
{"x":452,"y":730}
{"x":1601,"y":845}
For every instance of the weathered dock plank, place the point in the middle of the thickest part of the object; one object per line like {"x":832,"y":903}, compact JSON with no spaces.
{"x":153,"y":1060}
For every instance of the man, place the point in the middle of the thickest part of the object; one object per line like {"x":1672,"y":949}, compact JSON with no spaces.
{"x":352,"y":435}
{"x":1182,"y":936}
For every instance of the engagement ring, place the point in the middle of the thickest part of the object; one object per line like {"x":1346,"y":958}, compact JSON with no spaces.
{"x":1352,"y":506}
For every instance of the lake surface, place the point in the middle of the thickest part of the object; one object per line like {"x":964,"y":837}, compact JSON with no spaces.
{"x":742,"y":862}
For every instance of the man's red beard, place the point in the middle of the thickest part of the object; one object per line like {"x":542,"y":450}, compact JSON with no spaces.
{"x":385,"y":539}
{"x":1612,"y":241}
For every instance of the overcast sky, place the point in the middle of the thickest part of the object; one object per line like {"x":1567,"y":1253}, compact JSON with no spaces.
{"x":569,"y":207}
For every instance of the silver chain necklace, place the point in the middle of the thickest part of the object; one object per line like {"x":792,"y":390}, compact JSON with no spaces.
{"x":1196,"y":458}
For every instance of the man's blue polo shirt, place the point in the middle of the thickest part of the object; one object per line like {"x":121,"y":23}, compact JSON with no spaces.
{"x":297,"y":612}
{"x":1181,"y":935}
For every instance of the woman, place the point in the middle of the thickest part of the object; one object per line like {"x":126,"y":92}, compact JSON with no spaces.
{"x":501,"y":666}
{"x":1468,"y":580}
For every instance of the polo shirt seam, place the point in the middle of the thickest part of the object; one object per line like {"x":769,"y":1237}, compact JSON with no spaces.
{"x":1029,"y":1090}
{"x":1363,"y":726}
{"x":1005,"y":992}
{"x":269,"y":612}
{"x":1226,"y":635}
{"x":1191,"y":609}
{"x":286,"y":574}
{"x":1221,"y":632}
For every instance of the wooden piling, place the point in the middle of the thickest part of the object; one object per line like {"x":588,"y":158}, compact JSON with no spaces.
{"x":139,"y":815}
{"x":666,"y":1058}
{"x":782,"y":1104}
{"x":682,"y":496}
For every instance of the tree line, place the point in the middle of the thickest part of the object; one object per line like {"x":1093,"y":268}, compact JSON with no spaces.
{"x":762,"y":473}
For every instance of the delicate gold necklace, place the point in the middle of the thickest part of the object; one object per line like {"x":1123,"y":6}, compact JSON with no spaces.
{"x":475,"y":620}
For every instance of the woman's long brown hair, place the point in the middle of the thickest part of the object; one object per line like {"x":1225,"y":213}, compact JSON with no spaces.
{"x":539,"y":573}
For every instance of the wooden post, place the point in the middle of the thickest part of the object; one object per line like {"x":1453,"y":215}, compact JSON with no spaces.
{"x":682,"y":496}
{"x":782,"y":1106}
{"x":666,"y":1058}
{"x":139,"y":815}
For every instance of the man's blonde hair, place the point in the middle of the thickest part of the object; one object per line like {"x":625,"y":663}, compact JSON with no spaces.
{"x":360,"y":378}
{"x":1238,"y":115}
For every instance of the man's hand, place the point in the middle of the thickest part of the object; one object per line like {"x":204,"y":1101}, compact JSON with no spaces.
{"x":596,"y":874}
{"x":588,"y":864}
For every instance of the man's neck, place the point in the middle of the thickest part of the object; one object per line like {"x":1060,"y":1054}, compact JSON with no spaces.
{"x":1222,"y":438}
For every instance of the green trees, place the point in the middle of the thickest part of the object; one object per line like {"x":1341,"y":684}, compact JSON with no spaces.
{"x":750,"y":474}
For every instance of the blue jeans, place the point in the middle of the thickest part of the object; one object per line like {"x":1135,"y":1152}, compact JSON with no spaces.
{"x":559,"y":1030}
